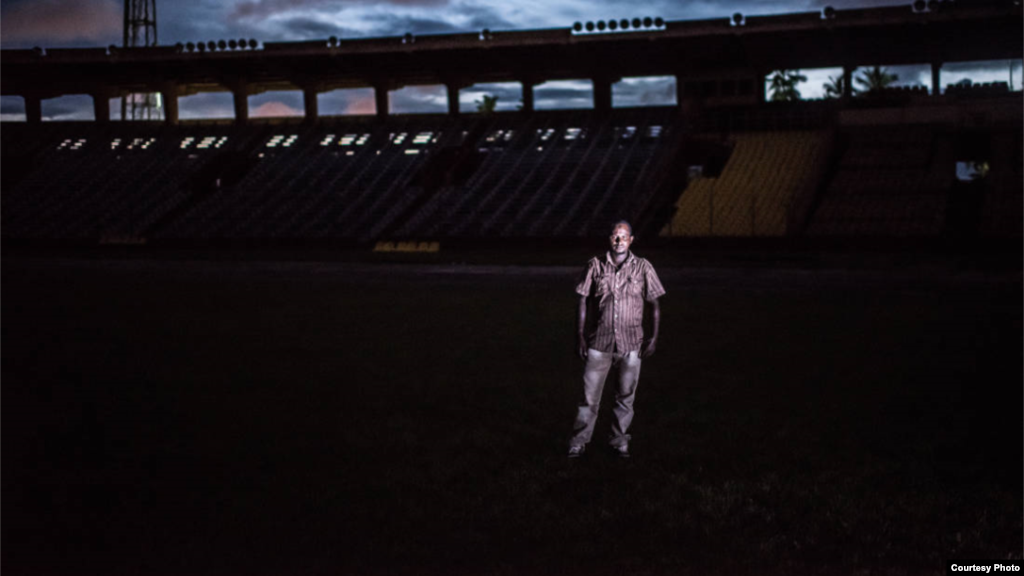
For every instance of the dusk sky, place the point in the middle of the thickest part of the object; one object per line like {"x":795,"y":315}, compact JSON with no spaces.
{"x":98,"y":23}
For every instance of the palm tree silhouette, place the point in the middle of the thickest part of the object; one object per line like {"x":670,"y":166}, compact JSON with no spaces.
{"x":783,"y":86}
{"x":834,"y":87}
{"x":875,"y":79}
{"x":487,"y":105}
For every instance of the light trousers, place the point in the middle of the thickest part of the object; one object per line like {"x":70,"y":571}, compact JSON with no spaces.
{"x":594,"y":375}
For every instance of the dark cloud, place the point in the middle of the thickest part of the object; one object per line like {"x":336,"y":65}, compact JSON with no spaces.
{"x":396,"y":25}
{"x":70,"y":23}
{"x":660,"y":94}
{"x":261,"y":9}
{"x":303,"y":28}
{"x":563,"y":93}
{"x":200,"y":22}
{"x":852,"y":4}
{"x":458,"y":19}
{"x":993,"y":66}
{"x":374,"y":25}
{"x":509,"y":96}
{"x":274,"y":109}
{"x":12,"y":105}
{"x":206,"y":105}
{"x":500,"y":87}
{"x":554,"y":104}
{"x":504,"y":91}
{"x":481,"y":17}
{"x":354,"y":101}
{"x":419,"y":99}
{"x":292,"y":98}
{"x":705,"y":9}
{"x":77,"y":107}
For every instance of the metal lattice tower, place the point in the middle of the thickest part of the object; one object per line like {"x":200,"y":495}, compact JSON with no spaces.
{"x":140,"y":31}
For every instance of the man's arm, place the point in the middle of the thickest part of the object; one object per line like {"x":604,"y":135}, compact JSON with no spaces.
{"x":652,"y":343}
{"x":581,"y":322}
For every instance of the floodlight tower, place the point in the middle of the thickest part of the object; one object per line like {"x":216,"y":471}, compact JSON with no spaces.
{"x":140,"y":31}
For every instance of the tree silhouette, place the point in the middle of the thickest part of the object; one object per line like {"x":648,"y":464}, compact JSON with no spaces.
{"x":875,"y":79}
{"x":487,"y":105}
{"x":834,"y":87}
{"x":783,"y":85}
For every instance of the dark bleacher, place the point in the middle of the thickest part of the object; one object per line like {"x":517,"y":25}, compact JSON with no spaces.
{"x":563,"y":174}
{"x":892,"y":181}
{"x":1003,"y":201}
{"x":502,"y":175}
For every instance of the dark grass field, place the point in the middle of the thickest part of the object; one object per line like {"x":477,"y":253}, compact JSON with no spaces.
{"x":198,"y":417}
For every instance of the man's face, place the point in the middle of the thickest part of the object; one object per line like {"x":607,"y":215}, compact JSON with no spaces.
{"x":621,"y":239}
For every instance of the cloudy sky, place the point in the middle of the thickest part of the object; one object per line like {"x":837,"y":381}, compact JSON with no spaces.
{"x":91,"y":23}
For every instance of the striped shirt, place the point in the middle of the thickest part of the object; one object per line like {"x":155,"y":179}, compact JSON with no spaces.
{"x":616,"y":301}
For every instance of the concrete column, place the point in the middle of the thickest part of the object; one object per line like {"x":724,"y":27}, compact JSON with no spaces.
{"x":381,"y":98}
{"x":33,"y":109}
{"x":101,"y":105}
{"x":310,"y":103}
{"x":602,"y":94}
{"x":848,"y":82}
{"x":936,"y":81}
{"x":241,"y":94}
{"x":528,"y":95}
{"x":453,"y":97}
{"x":169,"y":94}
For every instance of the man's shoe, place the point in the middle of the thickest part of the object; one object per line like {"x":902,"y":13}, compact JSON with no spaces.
{"x":621,"y":451}
{"x":577,"y":450}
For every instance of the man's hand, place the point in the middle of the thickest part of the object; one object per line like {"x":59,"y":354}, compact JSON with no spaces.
{"x":649,"y":348}
{"x":581,"y":323}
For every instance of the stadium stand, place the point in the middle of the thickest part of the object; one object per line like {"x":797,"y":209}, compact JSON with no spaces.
{"x":568,"y":176}
{"x":892,"y":181}
{"x":500,"y":176}
{"x":1003,"y":206}
{"x":505,"y":176}
{"x":902,"y":162}
{"x":766,"y":176}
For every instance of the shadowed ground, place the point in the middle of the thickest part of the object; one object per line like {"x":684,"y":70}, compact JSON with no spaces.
{"x":184,"y":417}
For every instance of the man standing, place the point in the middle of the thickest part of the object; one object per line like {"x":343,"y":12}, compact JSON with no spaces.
{"x":612,"y":294}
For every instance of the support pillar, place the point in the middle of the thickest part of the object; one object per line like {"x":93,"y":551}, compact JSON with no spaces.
{"x":310,"y":103}
{"x":848,"y":82}
{"x":453,"y":97}
{"x":381,"y":96}
{"x":690,"y":105}
{"x":527,"y":96}
{"x":602,"y":94}
{"x":101,"y":105}
{"x":33,"y":109}
{"x":241,"y":95}
{"x":527,"y":82}
{"x":936,"y":78}
{"x":169,"y":95}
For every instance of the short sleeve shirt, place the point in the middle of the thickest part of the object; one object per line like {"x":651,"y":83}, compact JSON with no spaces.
{"x":617,"y":296}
